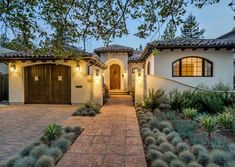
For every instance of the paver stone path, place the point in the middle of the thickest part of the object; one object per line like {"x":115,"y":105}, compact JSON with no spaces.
{"x":110,"y":139}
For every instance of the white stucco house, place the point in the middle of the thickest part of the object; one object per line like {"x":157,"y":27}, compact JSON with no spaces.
{"x":181,"y":63}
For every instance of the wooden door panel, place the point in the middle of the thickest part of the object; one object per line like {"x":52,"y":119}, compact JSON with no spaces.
{"x":61,"y":85}
{"x":115,"y":76}
{"x":37,"y":84}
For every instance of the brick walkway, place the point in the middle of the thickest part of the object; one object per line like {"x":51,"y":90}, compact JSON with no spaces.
{"x":23,"y":124}
{"x":111,"y":139}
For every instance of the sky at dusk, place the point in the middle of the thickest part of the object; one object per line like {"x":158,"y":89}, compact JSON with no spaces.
{"x":216,"y":19}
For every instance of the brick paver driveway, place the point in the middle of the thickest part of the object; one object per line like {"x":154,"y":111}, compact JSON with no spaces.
{"x":110,"y":139}
{"x":22,"y":124}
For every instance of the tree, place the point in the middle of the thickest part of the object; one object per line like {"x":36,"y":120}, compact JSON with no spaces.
{"x":170,"y":31}
{"x":191,"y":28}
{"x":57,"y":22}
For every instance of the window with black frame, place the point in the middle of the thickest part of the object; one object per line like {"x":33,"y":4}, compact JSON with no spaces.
{"x":192,"y":67}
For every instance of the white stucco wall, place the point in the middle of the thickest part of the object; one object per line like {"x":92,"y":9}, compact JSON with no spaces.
{"x":131,"y":76}
{"x":222,"y":66}
{"x":3,"y":68}
{"x":78,"y":95}
{"x":121,"y":59}
{"x":150,"y":60}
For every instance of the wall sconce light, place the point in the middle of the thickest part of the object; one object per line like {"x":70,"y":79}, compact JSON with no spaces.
{"x":13,"y":67}
{"x":139,"y":74}
{"x":97,"y":73}
{"x":78,"y":67}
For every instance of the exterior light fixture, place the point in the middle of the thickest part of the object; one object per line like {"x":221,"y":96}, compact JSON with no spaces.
{"x":13,"y":67}
{"x":78,"y":67}
{"x":97,"y":73}
{"x":139,"y":74}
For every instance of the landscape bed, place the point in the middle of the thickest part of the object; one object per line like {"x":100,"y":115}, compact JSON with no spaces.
{"x":187,"y":129}
{"x":48,"y":150}
{"x":87,"y":109}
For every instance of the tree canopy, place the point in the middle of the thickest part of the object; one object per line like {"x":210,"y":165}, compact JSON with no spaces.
{"x":50,"y":24}
{"x":191,"y":29}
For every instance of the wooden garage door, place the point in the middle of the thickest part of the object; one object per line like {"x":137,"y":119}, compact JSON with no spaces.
{"x":48,"y":84}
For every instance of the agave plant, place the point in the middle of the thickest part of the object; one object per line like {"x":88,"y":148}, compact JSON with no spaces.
{"x":52,"y":132}
{"x":154,"y":99}
{"x":190,"y":112}
{"x":226,"y":119}
{"x":208,"y":123}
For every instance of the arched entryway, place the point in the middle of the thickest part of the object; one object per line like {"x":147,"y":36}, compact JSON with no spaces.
{"x":48,"y":83}
{"x":115,"y":77}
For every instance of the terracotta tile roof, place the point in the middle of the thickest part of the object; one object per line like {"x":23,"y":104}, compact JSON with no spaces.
{"x":114,"y":48}
{"x":27,"y":55}
{"x":187,"y":43}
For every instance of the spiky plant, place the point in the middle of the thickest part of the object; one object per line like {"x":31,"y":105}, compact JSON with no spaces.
{"x":190,"y":112}
{"x":208,"y":123}
{"x":52,"y":132}
{"x":226,"y":119}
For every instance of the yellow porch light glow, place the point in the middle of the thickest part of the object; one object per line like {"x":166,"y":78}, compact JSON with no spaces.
{"x":13,"y":67}
{"x":78,"y":67}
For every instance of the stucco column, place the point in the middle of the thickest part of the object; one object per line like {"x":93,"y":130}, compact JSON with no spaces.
{"x":98,"y":86}
{"x":139,"y":85}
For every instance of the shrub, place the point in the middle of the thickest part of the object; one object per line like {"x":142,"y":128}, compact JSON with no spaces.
{"x":68,"y":129}
{"x":203,"y":158}
{"x":147,"y":133}
{"x":169,"y":156}
{"x":155,"y":130}
{"x":45,"y":161}
{"x":219,"y":157}
{"x":145,"y":129}
{"x":194,"y":164}
{"x":185,"y":128}
{"x":161,"y":139}
{"x":158,"y":163}
{"x":208,"y":123}
{"x":153,"y":124}
{"x":171,"y":135}
{"x":177,"y":163}
{"x":153,"y":154}
{"x":87,"y":109}
{"x":176,"y":100}
{"x":182,"y":147}
{"x":154,"y":99}
{"x":12,"y":162}
{"x":165,"y":146}
{"x":77,"y":130}
{"x":190,"y":112}
{"x":150,"y":140}
{"x":164,"y":124}
{"x":153,"y":147}
{"x":176,"y":140}
{"x":196,"y":149}
{"x":38,"y":151}
{"x":231,"y":148}
{"x":52,"y":131}
{"x":166,"y":130}
{"x":26,"y":151}
{"x":25,"y":162}
{"x":212,"y":165}
{"x":62,"y":143}
{"x":210,"y":101}
{"x":186,"y":157}
{"x":226,"y":119}
{"x":55,"y":153}
{"x":70,"y":136}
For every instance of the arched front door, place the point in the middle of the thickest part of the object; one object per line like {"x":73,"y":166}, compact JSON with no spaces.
{"x":115,"y":76}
